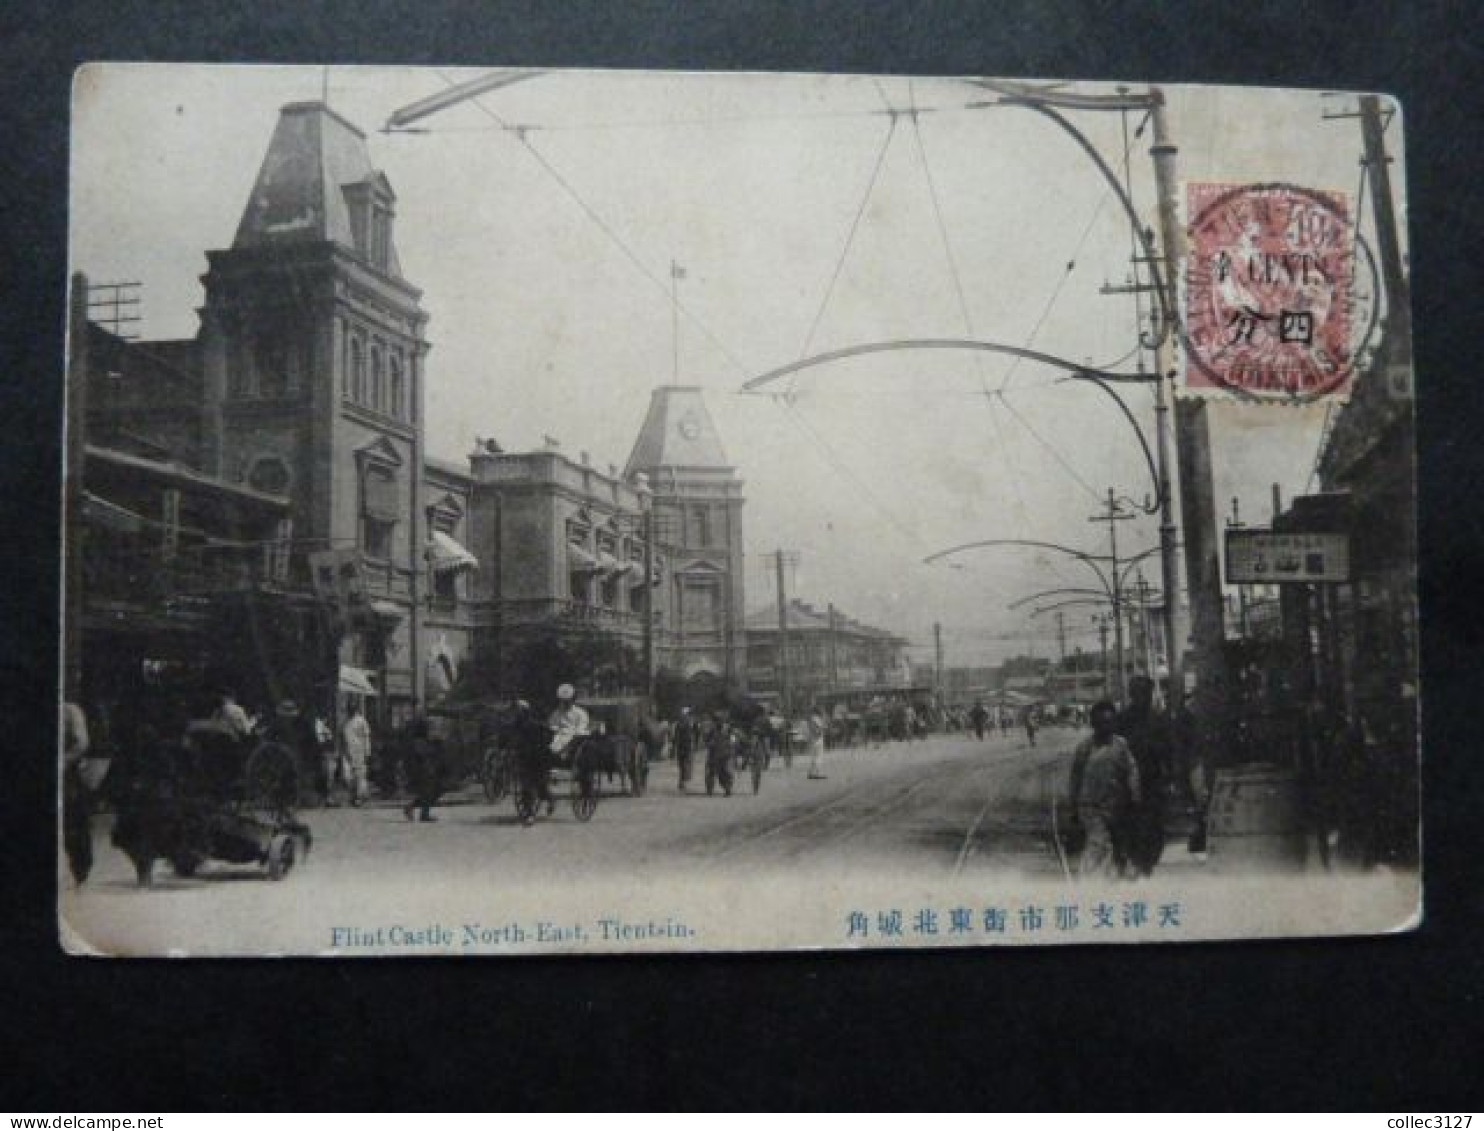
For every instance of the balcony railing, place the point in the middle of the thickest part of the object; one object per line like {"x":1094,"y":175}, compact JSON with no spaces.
{"x":540,"y":610}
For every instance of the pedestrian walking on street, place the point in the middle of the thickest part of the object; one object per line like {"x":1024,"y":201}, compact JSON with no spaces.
{"x":1104,"y":791}
{"x":815,"y":730}
{"x":77,"y":798}
{"x":423,"y":770}
{"x":1147,"y":733}
{"x":978,"y":716}
{"x":1030,"y":726}
{"x":356,"y":738}
{"x":685,"y":739}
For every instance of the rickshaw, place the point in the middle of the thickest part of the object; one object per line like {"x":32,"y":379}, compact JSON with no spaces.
{"x":211,"y":796}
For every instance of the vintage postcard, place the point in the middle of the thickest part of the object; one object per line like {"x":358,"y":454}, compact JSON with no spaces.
{"x":516,"y":511}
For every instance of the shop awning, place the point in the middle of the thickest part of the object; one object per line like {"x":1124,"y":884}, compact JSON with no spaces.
{"x":357,"y":681}
{"x":579,"y":560}
{"x":608,"y":563}
{"x":386,"y":610}
{"x":445,"y":553}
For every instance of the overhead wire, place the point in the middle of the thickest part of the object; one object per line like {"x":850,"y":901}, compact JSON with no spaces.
{"x":670,"y":123}
{"x":1051,"y":450}
{"x":963,"y":305}
{"x":849,"y":237}
{"x":607,"y":229}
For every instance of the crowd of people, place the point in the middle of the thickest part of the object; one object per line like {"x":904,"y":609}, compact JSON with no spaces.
{"x":1118,"y":779}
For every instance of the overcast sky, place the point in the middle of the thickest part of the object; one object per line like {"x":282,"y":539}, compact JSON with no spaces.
{"x":544,"y":257}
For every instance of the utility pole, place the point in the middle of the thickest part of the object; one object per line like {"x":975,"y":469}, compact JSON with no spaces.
{"x":646,"y":500}
{"x":781,"y":559}
{"x":1115,"y":514}
{"x":1061,"y":638}
{"x":938,"y":662}
{"x":834,"y":662}
{"x":1166,"y":180}
{"x":1193,"y":458}
{"x":1398,"y":299}
{"x":1235,"y":523}
{"x":1101,"y":620}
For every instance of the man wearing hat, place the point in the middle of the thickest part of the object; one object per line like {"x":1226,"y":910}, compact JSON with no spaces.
{"x":568,"y":721}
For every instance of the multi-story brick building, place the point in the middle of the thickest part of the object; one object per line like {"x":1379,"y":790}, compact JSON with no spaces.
{"x":301,"y":398}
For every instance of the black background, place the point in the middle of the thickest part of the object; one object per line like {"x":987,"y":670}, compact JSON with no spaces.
{"x":1390,"y":1023}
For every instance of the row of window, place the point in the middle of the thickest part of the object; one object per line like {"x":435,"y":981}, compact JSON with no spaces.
{"x":697,"y":525}
{"x":374,"y":376}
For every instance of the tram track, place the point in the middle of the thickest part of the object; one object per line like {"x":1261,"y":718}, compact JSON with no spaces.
{"x":899,"y":795}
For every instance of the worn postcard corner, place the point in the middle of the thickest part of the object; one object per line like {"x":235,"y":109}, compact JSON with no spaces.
{"x":514,"y":511}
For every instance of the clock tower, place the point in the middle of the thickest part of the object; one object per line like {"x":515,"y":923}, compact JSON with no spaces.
{"x":698,"y":518}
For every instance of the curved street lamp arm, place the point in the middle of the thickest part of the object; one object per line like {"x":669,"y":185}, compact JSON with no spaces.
{"x":1089,"y":560}
{"x":1129,"y":563}
{"x":1159,"y":488}
{"x":1101,"y":601}
{"x":1053,"y":593}
{"x":1077,"y":372}
{"x":460,"y":92}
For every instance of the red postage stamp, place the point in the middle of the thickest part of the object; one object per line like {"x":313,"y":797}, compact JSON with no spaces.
{"x":1269,"y":282}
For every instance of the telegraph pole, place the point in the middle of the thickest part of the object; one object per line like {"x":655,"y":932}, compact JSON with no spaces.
{"x":780,"y":559}
{"x":1192,"y":452}
{"x":938,"y":662}
{"x":1378,"y":166}
{"x":646,"y":499}
{"x":1235,"y":523}
{"x":1101,"y":620}
{"x":1061,"y":638}
{"x":834,"y":660}
{"x":1115,"y":514}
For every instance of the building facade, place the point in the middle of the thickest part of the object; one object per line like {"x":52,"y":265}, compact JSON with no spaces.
{"x":830,"y":658}
{"x":299,"y":406}
{"x":698,"y":506}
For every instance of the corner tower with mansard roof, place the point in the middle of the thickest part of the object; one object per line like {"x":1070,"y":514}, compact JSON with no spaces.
{"x":312,"y":345}
{"x":698,"y":507}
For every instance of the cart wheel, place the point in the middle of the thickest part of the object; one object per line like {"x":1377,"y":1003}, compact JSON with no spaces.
{"x":272,"y":778}
{"x":282,"y":852}
{"x":584,"y":796}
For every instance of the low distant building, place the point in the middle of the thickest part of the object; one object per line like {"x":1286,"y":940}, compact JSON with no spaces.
{"x":831,"y":658}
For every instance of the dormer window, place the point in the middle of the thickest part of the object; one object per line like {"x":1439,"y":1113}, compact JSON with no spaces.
{"x":371,"y":213}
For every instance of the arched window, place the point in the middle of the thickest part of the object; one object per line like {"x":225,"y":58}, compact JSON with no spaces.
{"x":394,"y":390}
{"x":376,"y":382}
{"x":357,"y":371}
{"x":345,"y":344}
